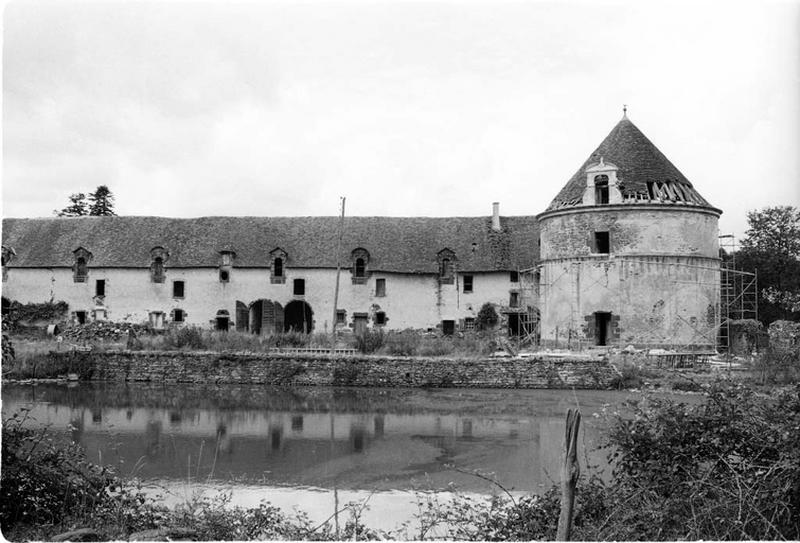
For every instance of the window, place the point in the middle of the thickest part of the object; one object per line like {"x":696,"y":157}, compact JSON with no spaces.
{"x":80,"y":317}
{"x":448,"y":328}
{"x":223,"y":320}
{"x":341,"y":316}
{"x":469,"y":324}
{"x":80,"y":269}
{"x":446,"y":259}
{"x":602,"y":243}
{"x":178,"y":315}
{"x":360,"y":271}
{"x":513,"y":299}
{"x":380,"y":287}
{"x":178,"y":288}
{"x":380,"y":318}
{"x":299,"y":287}
{"x":514,"y":276}
{"x":467,"y":283}
{"x":278,"y":270}
{"x":100,"y":287}
{"x":601,"y":189}
{"x":226,"y":265}
{"x":158,"y":256}
{"x":157,"y":319}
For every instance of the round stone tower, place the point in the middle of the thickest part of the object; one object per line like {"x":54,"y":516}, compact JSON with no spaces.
{"x":629,"y":253}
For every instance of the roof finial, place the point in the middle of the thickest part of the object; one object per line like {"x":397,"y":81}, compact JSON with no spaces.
{"x":624,"y":111}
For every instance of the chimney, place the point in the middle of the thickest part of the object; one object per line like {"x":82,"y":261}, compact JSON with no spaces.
{"x":496,"y":216}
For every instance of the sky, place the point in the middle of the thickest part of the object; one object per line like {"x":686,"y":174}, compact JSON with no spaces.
{"x":406,"y":108}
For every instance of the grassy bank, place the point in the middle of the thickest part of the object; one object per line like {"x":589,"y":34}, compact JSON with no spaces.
{"x":726,"y":468}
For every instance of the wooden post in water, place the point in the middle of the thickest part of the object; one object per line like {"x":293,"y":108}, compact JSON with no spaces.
{"x":570,"y":471}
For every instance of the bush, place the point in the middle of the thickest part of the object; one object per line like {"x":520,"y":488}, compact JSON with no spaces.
{"x":189,"y":337}
{"x":487,"y":317}
{"x":403,"y":343}
{"x":436,"y":346}
{"x":370,"y":341}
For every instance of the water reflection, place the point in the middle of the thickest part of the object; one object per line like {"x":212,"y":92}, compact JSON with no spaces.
{"x":348,"y":438}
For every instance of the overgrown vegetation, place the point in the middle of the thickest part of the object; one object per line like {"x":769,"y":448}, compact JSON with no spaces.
{"x":33,"y":312}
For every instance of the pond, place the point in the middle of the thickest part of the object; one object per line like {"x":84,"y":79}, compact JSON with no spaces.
{"x":311,"y":447}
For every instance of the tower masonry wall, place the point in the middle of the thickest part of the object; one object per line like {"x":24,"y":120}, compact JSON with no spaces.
{"x":645,"y":230}
{"x":656,"y":284}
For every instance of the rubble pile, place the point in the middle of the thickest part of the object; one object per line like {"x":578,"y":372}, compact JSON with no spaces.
{"x":103,"y":331}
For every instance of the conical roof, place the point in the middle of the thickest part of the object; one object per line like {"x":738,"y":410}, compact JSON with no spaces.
{"x":645,"y":175}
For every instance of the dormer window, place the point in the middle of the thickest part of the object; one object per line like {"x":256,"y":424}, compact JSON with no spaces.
{"x":158,"y":256}
{"x":602,"y":185}
{"x":8,"y":255}
{"x":226,"y":265}
{"x":360,"y":258}
{"x":277,"y":270}
{"x":601,"y":189}
{"x":446,"y":259}
{"x":80,"y":269}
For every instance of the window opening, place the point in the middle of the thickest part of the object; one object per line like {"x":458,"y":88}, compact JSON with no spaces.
{"x":601,"y":189}
{"x":158,"y":270}
{"x":380,"y":287}
{"x":341,"y":316}
{"x":81,"y":270}
{"x":380,"y":318}
{"x":224,"y":276}
{"x":100,"y":287}
{"x":514,"y":276}
{"x":360,"y":267}
{"x":277,"y":268}
{"x":467,"y":283}
{"x":513,"y":300}
{"x":299,"y":287}
{"x":157,"y":319}
{"x":602,"y":243}
{"x":469,"y":324}
{"x":80,"y":316}
{"x":178,"y":315}
{"x":178,"y":289}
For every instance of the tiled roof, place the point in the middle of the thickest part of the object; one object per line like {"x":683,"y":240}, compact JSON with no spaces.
{"x":397,"y":244}
{"x":639,"y":163}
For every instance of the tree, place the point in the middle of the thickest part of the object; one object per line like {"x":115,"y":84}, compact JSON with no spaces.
{"x":77,"y":206}
{"x":102,"y":202}
{"x":772,"y":247}
{"x":487,"y":317}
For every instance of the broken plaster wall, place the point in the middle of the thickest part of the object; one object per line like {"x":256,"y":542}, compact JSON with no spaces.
{"x":660,"y":281}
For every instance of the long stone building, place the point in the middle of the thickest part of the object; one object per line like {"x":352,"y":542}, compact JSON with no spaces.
{"x":625,"y":254}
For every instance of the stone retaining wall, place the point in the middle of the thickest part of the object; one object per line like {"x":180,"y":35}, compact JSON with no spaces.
{"x":370,"y":371}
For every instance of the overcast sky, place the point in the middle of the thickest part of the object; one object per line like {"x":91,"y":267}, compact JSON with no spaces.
{"x":406,"y":108}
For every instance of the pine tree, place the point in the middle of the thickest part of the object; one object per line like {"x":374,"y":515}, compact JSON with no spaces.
{"x":102,"y":202}
{"x":78,"y":207}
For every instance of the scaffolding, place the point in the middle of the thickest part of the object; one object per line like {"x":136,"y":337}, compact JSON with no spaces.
{"x":738,"y":293}
{"x":527,"y":329}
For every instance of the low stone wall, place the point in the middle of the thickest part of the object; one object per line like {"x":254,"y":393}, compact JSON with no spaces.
{"x":369,"y":371}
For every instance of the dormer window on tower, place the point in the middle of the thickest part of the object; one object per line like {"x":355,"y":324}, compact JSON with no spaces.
{"x":158,"y":261}
{"x":226,"y":265}
{"x":277,"y":271}
{"x":80,"y":269}
{"x":360,"y":258}
{"x":602,"y":185}
{"x":446,"y":259}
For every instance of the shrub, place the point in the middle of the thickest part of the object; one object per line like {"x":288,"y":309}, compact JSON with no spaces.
{"x":403,"y":343}
{"x":370,"y":341}
{"x":487,"y":317}
{"x":436,"y":346}
{"x":189,"y":337}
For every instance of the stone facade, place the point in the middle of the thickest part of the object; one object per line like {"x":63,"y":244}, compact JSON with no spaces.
{"x":374,"y":371}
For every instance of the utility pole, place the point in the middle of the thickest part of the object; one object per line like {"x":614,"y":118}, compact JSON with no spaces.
{"x":338,"y":273}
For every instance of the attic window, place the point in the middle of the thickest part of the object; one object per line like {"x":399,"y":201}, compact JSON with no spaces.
{"x":159,"y":257}
{"x":446,"y":259}
{"x":601,"y":189}
{"x":226,"y":265}
{"x":81,"y":266}
{"x":602,"y":243}
{"x":277,"y":271}
{"x":360,"y":258}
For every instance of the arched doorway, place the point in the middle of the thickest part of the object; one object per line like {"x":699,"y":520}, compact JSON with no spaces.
{"x":266,"y":317}
{"x":298,"y":316}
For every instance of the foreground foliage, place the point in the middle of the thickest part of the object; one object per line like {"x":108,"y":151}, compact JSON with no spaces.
{"x":726,"y":468}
